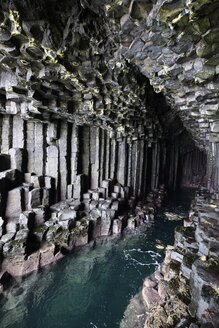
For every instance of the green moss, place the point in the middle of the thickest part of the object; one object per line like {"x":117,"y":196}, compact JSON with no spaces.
{"x":198,"y":5}
{"x":184,"y":298}
{"x":84,"y":222}
{"x":174,"y":266}
{"x":84,"y":231}
{"x":214,"y":61}
{"x":209,"y":292}
{"x":212,"y":264}
{"x":202,"y":25}
{"x":207,"y":73}
{"x":169,"y":15}
{"x":192,"y":309}
{"x":170,"y":10}
{"x":39,"y":229}
{"x":75,"y":231}
{"x":80,"y":231}
{"x":181,"y":22}
{"x":62,"y":237}
{"x":186,"y":231}
{"x":174,"y":284}
{"x":215,"y":291}
{"x":212,"y":37}
{"x":205,"y":51}
{"x":180,"y":250}
{"x":189,"y":259}
{"x":15,"y":243}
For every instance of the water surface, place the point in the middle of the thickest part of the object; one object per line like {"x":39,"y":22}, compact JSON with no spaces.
{"x":92,"y":287}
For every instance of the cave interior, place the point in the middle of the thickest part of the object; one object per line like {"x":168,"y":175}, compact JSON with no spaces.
{"x":102,"y":103}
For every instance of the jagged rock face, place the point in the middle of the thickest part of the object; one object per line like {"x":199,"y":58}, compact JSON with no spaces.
{"x":73,"y":60}
{"x":57,"y":61}
{"x":68,"y":64}
{"x":82,"y":132}
{"x":186,"y":285}
{"x":85,"y":63}
{"x":175,"y":44}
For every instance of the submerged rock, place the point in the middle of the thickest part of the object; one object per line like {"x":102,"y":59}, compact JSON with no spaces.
{"x":159,"y":244}
{"x":173,"y":216}
{"x":134,"y":315}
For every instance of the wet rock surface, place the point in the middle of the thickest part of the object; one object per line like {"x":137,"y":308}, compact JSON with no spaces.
{"x":83,"y":135}
{"x":183,"y":292}
{"x":109,"y":270}
{"x":81,"y":129}
{"x":43,"y":235}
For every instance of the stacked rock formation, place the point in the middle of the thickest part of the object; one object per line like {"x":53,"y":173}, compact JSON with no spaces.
{"x":82,"y":131}
{"x":41,"y":235}
{"x":184,"y":291}
{"x":79,"y":124}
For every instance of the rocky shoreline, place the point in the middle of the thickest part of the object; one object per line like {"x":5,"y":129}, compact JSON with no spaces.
{"x":183,"y":292}
{"x":42,"y":236}
{"x":101,"y":102}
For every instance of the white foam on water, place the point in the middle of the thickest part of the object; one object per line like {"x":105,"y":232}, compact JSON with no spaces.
{"x":154,"y":256}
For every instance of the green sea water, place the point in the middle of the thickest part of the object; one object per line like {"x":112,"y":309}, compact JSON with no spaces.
{"x":92,"y":287}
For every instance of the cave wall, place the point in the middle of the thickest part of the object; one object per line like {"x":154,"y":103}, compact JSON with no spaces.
{"x":60,"y":160}
{"x":83,"y":134}
{"x":85,"y":62}
{"x":75,"y":99}
{"x":73,"y":155}
{"x":214,"y":161}
{"x":193,"y":165}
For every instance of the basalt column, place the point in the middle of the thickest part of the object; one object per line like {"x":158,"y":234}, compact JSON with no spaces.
{"x":59,"y":160}
{"x":194,"y":169}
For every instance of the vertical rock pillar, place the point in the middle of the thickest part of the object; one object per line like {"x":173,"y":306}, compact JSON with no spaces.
{"x":63,"y":160}
{"x":52,"y":164}
{"x":121,"y":168}
{"x":95,"y":157}
{"x":214,"y":162}
{"x":74,"y":153}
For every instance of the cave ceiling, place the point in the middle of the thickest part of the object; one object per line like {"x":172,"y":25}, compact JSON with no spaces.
{"x":90,"y":62}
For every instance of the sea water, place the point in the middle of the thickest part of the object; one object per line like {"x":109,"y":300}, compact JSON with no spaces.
{"x":92,"y":287}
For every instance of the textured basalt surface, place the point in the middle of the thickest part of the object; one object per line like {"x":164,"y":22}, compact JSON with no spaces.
{"x":76,"y":60}
{"x":83,"y":132}
{"x":185,"y":288}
